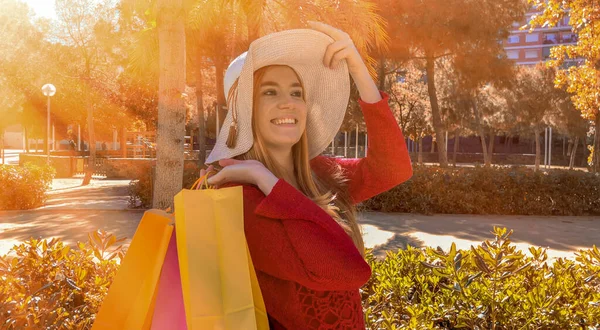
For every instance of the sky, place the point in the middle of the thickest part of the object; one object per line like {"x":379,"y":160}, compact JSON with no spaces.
{"x":43,"y":8}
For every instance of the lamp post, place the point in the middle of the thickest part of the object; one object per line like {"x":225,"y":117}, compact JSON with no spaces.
{"x":49,"y":90}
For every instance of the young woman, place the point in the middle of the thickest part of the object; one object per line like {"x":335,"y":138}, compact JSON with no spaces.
{"x":287,"y":97}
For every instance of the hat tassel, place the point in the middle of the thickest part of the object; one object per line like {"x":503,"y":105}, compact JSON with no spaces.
{"x":231,"y":138}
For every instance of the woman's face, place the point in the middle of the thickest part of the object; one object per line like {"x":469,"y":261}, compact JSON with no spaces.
{"x":280,"y":108}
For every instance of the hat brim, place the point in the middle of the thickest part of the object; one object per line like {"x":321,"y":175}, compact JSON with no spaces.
{"x":326,"y":90}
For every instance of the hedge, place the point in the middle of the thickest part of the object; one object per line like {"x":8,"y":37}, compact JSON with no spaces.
{"x":24,"y":187}
{"x":491,"y":286}
{"x":494,"y":190}
{"x":48,"y":285}
{"x":140,"y":189}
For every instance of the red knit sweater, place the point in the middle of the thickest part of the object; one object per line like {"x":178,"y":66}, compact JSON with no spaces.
{"x":308,"y":268}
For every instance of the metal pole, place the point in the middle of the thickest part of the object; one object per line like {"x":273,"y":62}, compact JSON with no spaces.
{"x":53,"y":138}
{"x":550,"y":149}
{"x":356,"y":147}
{"x":217,"y":116}
{"x":48,"y":133}
{"x":78,"y":137}
{"x":114,"y":139}
{"x":365,"y":144}
{"x":345,"y":144}
{"x":333,"y":147}
{"x":546,"y":147}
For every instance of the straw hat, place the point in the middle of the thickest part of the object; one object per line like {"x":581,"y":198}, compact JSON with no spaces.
{"x":326,"y":90}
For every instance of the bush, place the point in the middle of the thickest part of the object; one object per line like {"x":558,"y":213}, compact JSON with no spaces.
{"x":491,"y":286}
{"x":495,"y":190}
{"x":140,"y":189}
{"x":24,"y":187}
{"x":48,"y":285}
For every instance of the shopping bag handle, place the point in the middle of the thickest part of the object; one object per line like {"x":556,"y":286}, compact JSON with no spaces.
{"x":202,"y":182}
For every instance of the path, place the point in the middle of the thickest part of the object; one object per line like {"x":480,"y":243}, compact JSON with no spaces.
{"x":73,"y":211}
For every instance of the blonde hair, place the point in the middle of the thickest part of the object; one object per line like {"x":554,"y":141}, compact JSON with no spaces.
{"x":328,"y":191}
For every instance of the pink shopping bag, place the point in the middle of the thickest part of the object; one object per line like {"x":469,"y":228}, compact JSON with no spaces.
{"x":169,"y":312}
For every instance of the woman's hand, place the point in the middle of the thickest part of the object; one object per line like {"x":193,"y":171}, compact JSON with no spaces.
{"x":242,"y":171}
{"x":343,"y":49}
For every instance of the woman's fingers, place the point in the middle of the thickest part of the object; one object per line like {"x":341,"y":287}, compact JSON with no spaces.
{"x":339,"y":56}
{"x":333,"y":49}
{"x":229,"y":161}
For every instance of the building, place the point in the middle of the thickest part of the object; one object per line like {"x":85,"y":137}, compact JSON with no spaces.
{"x":530,"y":48}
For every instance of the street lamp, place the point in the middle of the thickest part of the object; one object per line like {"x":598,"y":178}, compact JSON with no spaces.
{"x":48,"y":90}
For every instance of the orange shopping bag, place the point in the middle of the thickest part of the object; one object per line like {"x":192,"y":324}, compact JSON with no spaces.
{"x":220,"y":288}
{"x":130,"y":301}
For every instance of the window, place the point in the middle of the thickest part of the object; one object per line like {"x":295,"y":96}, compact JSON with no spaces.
{"x":550,"y":38}
{"x":534,"y":37}
{"x":512,"y":54}
{"x":531,"y":53}
{"x":546,"y":53}
{"x":569,"y":38}
{"x":514,"y":39}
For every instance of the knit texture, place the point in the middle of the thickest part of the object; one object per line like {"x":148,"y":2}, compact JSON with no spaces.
{"x":308,"y":268}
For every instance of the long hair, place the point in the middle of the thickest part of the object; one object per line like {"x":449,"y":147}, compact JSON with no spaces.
{"x":329,"y":190}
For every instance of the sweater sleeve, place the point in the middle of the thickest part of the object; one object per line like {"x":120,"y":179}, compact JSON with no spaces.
{"x":292,"y":238}
{"x":387,"y":163}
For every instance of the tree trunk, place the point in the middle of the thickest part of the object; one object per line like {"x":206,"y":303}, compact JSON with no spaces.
{"x":456,"y":142}
{"x":200,"y":106}
{"x":381,"y":73}
{"x":583,"y":140}
{"x":435,"y":112}
{"x":124,"y":142}
{"x":538,"y":151}
{"x":480,"y":131}
{"x":26,"y":146}
{"x":2,"y":146}
{"x":91,"y":168}
{"x":491,"y":148}
{"x":221,"y":98}
{"x":596,"y":157}
{"x":420,"y":154}
{"x":570,"y":148}
{"x":432,"y":145}
{"x":508,"y":143}
{"x":171,"y":108}
{"x":573,"y":152}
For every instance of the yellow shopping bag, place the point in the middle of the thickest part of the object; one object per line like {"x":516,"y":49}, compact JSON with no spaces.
{"x":220,"y":288}
{"x":129,"y":304}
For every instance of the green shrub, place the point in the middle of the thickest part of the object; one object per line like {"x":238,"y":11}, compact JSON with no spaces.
{"x":491,"y":286}
{"x":495,"y":190}
{"x":140,"y":189}
{"x":24,"y":187}
{"x":48,"y":285}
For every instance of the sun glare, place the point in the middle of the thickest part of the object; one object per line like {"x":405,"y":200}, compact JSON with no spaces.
{"x":43,"y":8}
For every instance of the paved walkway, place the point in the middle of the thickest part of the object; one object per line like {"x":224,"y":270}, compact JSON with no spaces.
{"x":72,"y":211}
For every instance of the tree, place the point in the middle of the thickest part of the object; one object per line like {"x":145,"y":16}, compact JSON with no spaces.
{"x":410,"y":104}
{"x":464,"y":29}
{"x":171,"y":110}
{"x":568,"y":121}
{"x":80,"y":26}
{"x":582,"y":81}
{"x":530,"y":99}
{"x":492,"y":115}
